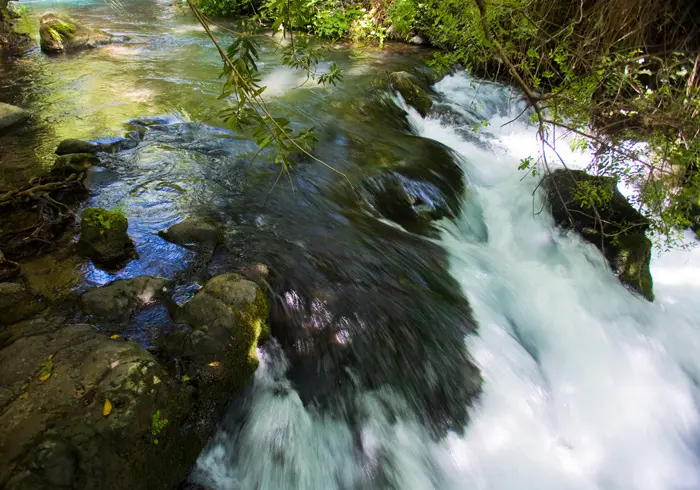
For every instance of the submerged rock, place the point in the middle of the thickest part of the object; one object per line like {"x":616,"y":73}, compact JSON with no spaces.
{"x":17,"y":303}
{"x":69,"y":146}
{"x":405,"y":84}
{"x":194,"y":232}
{"x":120,"y":299}
{"x":74,"y":163}
{"x":11,"y":115}
{"x":81,"y":411}
{"x":62,"y":35}
{"x":619,"y":233}
{"x":228,"y":317}
{"x":104,"y":238}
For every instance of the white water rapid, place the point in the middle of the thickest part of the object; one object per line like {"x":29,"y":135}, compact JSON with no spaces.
{"x":586,"y":386}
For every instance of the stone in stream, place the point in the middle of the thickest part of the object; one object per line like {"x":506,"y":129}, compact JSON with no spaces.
{"x":11,"y":115}
{"x":194,"y":232}
{"x":622,"y":238}
{"x":405,"y":84}
{"x":104,"y":238}
{"x":79,"y":410}
{"x":120,"y":299}
{"x":17,"y":303}
{"x":71,"y":145}
{"x":62,"y":35}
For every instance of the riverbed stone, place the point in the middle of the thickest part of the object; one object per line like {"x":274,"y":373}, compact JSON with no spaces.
{"x":71,"y":145}
{"x":620,"y":233}
{"x":405,"y":84}
{"x":11,"y":115}
{"x":17,"y":303}
{"x":194,"y":232}
{"x":228,"y":317}
{"x":75,"y":163}
{"x":119,"y":300}
{"x":104,"y":238}
{"x":60,"y":34}
{"x":55,"y":431}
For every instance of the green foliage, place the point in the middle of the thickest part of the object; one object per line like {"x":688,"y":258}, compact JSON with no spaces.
{"x":157,"y":426}
{"x":227,"y":7}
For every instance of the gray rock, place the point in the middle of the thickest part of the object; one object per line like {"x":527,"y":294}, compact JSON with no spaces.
{"x":54,"y":432}
{"x":194,"y":232}
{"x":17,"y":303}
{"x":69,"y":146}
{"x":622,"y":239}
{"x":418,"y":40}
{"x":120,"y":299}
{"x":104,"y":238}
{"x":62,"y":35}
{"x":11,"y":115}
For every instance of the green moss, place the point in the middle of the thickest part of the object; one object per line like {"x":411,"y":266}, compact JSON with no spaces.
{"x":103,"y":220}
{"x":633,"y":257}
{"x":411,"y":93}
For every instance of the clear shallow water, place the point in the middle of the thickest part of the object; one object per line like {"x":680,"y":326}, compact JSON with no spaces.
{"x":586,"y":386}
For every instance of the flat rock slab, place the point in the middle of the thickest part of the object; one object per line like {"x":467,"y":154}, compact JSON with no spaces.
{"x":11,"y":115}
{"x":55,"y":431}
{"x":119,"y":300}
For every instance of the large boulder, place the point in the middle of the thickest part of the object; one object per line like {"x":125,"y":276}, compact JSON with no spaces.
{"x":17,"y":303}
{"x":62,"y":35}
{"x":81,"y":411}
{"x":11,"y":115}
{"x":228,"y":317}
{"x":120,"y":299}
{"x":618,"y":230}
{"x":405,"y":84}
{"x":104,"y":238}
{"x":195,"y":233}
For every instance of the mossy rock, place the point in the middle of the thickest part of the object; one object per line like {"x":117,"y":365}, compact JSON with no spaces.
{"x":622,"y":239}
{"x":61,"y":35}
{"x":74,"y":163}
{"x":228,"y":317}
{"x":414,"y":96}
{"x":104,"y":238}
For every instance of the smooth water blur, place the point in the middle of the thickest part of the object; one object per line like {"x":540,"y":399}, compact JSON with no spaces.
{"x":586,"y":386}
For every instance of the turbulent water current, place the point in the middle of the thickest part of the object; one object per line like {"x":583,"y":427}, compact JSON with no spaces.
{"x":586,"y":386}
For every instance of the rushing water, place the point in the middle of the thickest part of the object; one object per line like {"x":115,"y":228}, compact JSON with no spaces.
{"x":586,"y":386}
{"x":369,"y":383}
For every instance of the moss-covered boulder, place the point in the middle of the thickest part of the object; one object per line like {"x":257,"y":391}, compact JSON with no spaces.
{"x":618,"y":230}
{"x":62,"y":35}
{"x":17,"y":303}
{"x":194,"y":232}
{"x":416,"y":97}
{"x":104,"y":238}
{"x":228,"y":317}
{"x":80,"y":410}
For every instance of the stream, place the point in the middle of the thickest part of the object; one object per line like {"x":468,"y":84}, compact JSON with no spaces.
{"x":385,"y":327}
